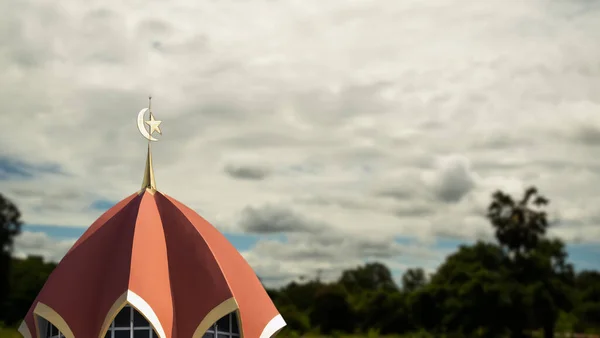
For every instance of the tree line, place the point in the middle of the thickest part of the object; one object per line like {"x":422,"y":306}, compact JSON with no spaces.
{"x":519,"y":284}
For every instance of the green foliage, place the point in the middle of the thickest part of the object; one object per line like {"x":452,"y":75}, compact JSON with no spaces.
{"x":302,"y":296}
{"x":475,"y":296}
{"x":27,"y":278}
{"x":518,"y":224}
{"x":413,"y":279}
{"x":371,"y":277}
{"x":385,"y":311}
{"x":588,"y":301}
{"x":331,"y":310}
{"x":537,"y":266}
{"x":10,"y":226}
{"x":296,"y":320}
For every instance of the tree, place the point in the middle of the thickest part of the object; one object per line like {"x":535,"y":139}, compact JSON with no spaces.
{"x":332,"y":311}
{"x":551,"y":280}
{"x":518,"y":225}
{"x":537,"y":265}
{"x":387,"y":312}
{"x":413,"y":279}
{"x":10,"y":226}
{"x":295,"y":320}
{"x":371,"y":277}
{"x":588,"y":307}
{"x":27,"y":279}
{"x":302,"y":296}
{"x":426,"y":306}
{"x":473,"y":284}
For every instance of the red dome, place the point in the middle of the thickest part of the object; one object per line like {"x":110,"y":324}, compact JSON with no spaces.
{"x":162,"y":258}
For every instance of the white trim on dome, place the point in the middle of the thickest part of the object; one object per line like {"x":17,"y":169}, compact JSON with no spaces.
{"x":219,"y":311}
{"x":140,"y":305}
{"x":24,"y":330}
{"x":274,"y":325}
{"x":48,"y":313}
{"x":146,"y":310}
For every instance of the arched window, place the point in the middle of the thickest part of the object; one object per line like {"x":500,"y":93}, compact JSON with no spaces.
{"x":128,"y":323}
{"x":226,"y":327}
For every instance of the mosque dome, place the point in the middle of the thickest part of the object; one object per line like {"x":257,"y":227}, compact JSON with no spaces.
{"x":153,"y":261}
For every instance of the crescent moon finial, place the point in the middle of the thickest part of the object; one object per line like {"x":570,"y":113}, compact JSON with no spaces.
{"x":148,"y":182}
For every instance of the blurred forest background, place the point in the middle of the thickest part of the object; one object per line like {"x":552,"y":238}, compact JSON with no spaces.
{"x":521,"y":285}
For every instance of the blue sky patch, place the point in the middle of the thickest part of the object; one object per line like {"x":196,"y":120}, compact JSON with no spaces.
{"x":102,"y":205}
{"x":14,"y":169}
{"x":55,"y":231}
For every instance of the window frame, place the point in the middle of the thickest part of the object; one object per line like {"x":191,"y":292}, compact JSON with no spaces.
{"x":214,"y":331}
{"x":53,"y":332}
{"x":112,"y":329}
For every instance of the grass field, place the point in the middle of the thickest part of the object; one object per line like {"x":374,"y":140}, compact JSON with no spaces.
{"x":9,"y":333}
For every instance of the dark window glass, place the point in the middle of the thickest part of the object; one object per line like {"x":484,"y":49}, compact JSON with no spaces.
{"x":139,"y":320}
{"x":209,"y":335}
{"x":107,"y":335}
{"x":123,"y":334}
{"x":223,"y":324}
{"x":220,"y":335}
{"x":141,"y":333}
{"x":234,"y":323}
{"x":154,"y":335}
{"x":123,"y":318}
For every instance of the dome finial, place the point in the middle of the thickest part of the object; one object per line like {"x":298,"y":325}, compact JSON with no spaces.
{"x":154,"y":126}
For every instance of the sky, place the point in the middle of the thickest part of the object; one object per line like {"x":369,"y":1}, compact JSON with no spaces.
{"x":316,"y":135}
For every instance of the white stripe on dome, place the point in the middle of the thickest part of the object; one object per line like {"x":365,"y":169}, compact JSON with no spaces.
{"x":276,"y":324}
{"x":48,"y":313}
{"x":24,"y":330}
{"x":146,"y":310}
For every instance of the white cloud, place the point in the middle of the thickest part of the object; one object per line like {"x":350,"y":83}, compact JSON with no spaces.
{"x":40,"y":244}
{"x":307,"y":255}
{"x":346,"y":108}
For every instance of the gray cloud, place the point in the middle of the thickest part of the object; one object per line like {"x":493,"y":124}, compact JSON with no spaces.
{"x":333,"y":246}
{"x":454,"y":179}
{"x":13,"y":168}
{"x":327,"y":255}
{"x":340,"y":201}
{"x":246,"y":172}
{"x":398,"y":193}
{"x":414,"y":210}
{"x":587,"y":135}
{"x":273,"y":219}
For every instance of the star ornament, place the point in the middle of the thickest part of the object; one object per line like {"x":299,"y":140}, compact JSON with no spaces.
{"x":154,"y":125}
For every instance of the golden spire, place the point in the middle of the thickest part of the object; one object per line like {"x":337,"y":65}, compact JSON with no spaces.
{"x":148,"y":182}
